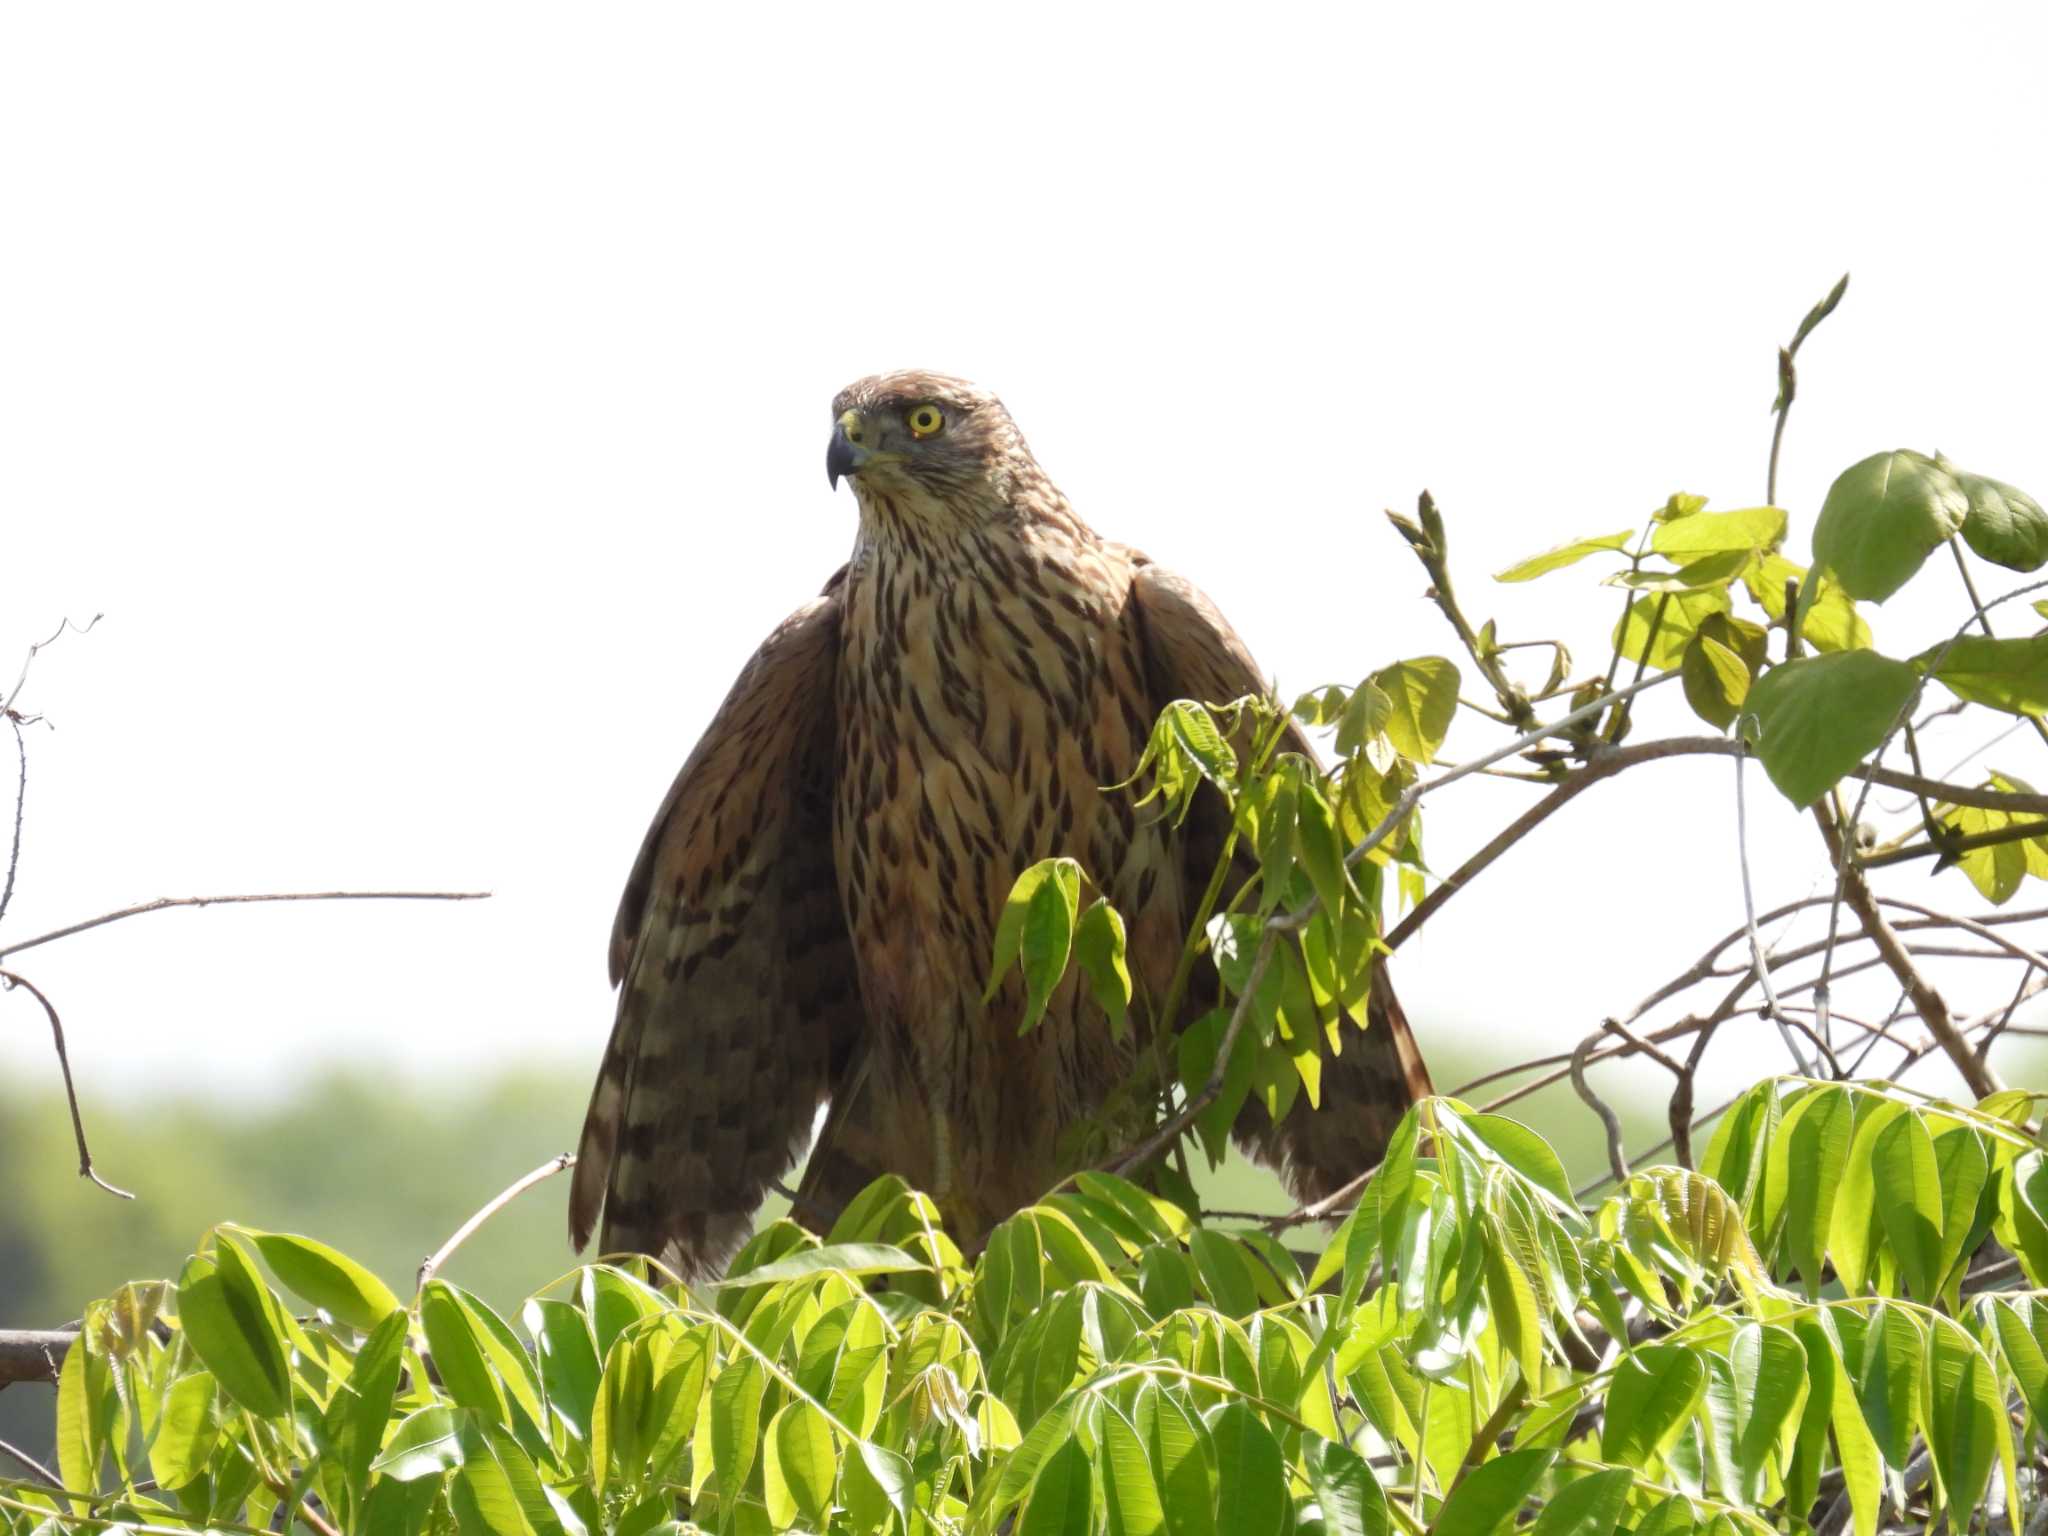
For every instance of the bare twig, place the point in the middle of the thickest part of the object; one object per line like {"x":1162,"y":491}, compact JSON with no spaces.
{"x":28,"y":1462}
{"x":10,"y":980}
{"x":20,"y":802}
{"x":7,"y":704}
{"x":1756,"y":947}
{"x":497,"y":1203}
{"x":165,"y":903}
{"x":1617,"y":1156}
{"x":1607,"y":761}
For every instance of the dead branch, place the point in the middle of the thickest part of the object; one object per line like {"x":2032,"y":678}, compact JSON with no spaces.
{"x":497,"y":1203}
{"x":165,"y":903}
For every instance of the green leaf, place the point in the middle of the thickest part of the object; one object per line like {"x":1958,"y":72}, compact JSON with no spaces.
{"x":1351,"y":1499}
{"x":1768,"y":1368}
{"x":1250,"y":1474}
{"x":1815,"y":1135}
{"x":1966,"y":1417}
{"x":1909,"y":1202}
{"x":1179,"y":1455}
{"x":1130,"y":1492}
{"x":1424,"y":693}
{"x":1715,"y":570}
{"x":1016,"y":910}
{"x":2005,"y":526}
{"x":736,"y":1394}
{"x":2022,"y":1326}
{"x":1048,"y":937}
{"x":569,"y":1368}
{"x":799,"y":1465}
{"x":1883,"y":517}
{"x":2011,"y":675}
{"x":876,"y":1477}
{"x":1099,"y":946}
{"x":221,"y":1307}
{"x":84,"y":1389}
{"x":1492,"y":1493}
{"x":1711,"y":533}
{"x":425,"y":1444}
{"x":1810,"y":1442}
{"x":1965,"y":1168}
{"x":497,"y":1489}
{"x":1659,"y":625}
{"x":454,"y":1338}
{"x":1199,"y":1043}
{"x":1588,"y":1506}
{"x":361,"y":1410}
{"x":1226,"y":1272}
{"x":846,"y":1258}
{"x":1714,"y":678}
{"x":1814,"y":719}
{"x":1649,"y":1400}
{"x":1062,"y":1495}
{"x":187,"y":1429}
{"x":1828,"y":619}
{"x":326,"y":1277}
{"x":1563,"y":555}
{"x":1888,"y":1381}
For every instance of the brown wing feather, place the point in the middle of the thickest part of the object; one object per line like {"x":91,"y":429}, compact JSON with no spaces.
{"x":1193,"y":653}
{"x":738,"y":1001}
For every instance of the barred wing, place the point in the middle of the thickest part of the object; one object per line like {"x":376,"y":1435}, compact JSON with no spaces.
{"x":738,"y":1000}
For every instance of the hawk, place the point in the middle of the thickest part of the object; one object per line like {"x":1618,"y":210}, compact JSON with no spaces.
{"x":812,"y":914}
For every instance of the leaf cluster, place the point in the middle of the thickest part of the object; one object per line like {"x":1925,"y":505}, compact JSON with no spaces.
{"x":1471,"y":1351}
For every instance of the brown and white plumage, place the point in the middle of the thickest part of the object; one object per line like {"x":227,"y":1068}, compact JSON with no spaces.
{"x":812,"y":914}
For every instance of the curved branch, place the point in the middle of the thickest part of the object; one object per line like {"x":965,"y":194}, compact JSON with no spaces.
{"x":11,"y":981}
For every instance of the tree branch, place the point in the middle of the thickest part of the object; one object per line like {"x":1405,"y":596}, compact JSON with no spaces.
{"x":497,"y":1203}
{"x":165,"y":903}
{"x":1927,"y":1001}
{"x":33,"y":1354}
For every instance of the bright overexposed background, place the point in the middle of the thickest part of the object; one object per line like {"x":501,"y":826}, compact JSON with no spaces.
{"x":433,"y":399}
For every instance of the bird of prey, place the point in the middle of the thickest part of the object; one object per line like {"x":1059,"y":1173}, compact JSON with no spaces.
{"x":812,"y":914}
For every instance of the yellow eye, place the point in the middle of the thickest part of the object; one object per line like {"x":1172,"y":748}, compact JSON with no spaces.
{"x":925,"y":421}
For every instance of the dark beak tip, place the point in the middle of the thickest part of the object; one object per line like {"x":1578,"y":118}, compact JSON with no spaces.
{"x":839,"y":459}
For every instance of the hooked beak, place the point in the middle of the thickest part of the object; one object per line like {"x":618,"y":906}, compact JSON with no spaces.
{"x":858,"y":444}
{"x":842,"y":457}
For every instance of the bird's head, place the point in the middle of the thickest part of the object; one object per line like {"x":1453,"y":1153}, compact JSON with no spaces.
{"x":928,"y":452}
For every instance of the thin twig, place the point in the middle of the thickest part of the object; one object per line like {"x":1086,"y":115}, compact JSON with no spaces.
{"x":1788,"y":378}
{"x":10,"y":980}
{"x":1756,"y":946}
{"x":1617,"y":1156}
{"x":29,"y":1462}
{"x":165,"y":903}
{"x":7,"y":704}
{"x":497,"y":1203}
{"x":20,"y":803}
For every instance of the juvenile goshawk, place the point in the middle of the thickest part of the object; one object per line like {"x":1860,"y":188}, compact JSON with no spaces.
{"x":812,"y":914}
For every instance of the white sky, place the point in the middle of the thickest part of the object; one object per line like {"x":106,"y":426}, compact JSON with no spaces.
{"x":433,"y":397}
